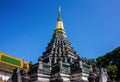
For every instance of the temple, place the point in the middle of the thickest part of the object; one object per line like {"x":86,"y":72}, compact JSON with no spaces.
{"x":60,"y":62}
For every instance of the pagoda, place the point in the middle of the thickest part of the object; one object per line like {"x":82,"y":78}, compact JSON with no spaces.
{"x":60,"y":62}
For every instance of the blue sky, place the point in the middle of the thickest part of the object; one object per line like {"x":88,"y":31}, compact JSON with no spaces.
{"x":26,"y":26}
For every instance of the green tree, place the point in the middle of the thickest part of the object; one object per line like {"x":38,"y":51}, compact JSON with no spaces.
{"x":111,"y":61}
{"x":112,"y":71}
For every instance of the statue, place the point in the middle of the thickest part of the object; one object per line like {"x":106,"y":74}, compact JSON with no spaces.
{"x":103,"y":75}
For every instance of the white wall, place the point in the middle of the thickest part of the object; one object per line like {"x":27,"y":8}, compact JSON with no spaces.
{"x":5,"y":76}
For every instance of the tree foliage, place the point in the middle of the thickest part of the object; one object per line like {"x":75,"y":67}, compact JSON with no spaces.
{"x":112,"y":71}
{"x":111,"y":61}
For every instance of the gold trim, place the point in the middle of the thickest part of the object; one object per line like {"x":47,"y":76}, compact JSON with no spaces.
{"x":27,"y":66}
{"x":21,"y":61}
{"x":5,"y":67}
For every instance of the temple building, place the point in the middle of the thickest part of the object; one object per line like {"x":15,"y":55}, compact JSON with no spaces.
{"x":60,"y":62}
{"x":8,"y":64}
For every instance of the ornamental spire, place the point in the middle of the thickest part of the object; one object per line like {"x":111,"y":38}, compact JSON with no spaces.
{"x":59,"y":25}
{"x":59,"y":14}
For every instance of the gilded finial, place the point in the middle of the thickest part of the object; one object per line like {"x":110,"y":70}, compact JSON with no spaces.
{"x":59,"y":25}
{"x":59,"y":14}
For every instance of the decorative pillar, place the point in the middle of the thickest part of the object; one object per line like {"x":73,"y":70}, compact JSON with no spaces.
{"x":60,"y":62}
{"x":69,"y":69}
{"x":80,"y":64}
{"x":50,"y":60}
{"x":71,"y":59}
{"x":40,"y":63}
{"x":18,"y":75}
{"x":65,"y":59}
{"x":91,"y":68}
{"x":55,"y":60}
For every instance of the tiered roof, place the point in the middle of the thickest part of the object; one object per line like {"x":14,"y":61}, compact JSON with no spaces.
{"x":9,"y":63}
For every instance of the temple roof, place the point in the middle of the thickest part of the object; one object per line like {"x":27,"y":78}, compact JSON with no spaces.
{"x":9,"y":63}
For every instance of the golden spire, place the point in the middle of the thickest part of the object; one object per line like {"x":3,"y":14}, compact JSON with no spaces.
{"x":59,"y":25}
{"x":59,"y":14}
